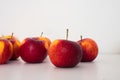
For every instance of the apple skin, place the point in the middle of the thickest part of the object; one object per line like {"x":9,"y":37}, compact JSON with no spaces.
{"x":89,"y":49}
{"x":64,"y":53}
{"x":16,"y":44}
{"x":6,"y":50}
{"x":32,"y":51}
{"x":45,"y":40}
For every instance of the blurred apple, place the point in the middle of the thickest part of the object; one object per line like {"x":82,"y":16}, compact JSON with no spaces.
{"x":45,"y":39}
{"x":32,"y":51}
{"x":6,"y":50}
{"x":16,"y":44}
{"x":64,"y":53}
{"x":89,"y":49}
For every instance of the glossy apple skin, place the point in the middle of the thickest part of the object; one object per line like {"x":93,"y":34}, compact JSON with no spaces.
{"x":64,"y":53}
{"x":45,"y":40}
{"x":89,"y":49}
{"x":6,"y":50}
{"x":32,"y":51}
{"x":16,"y":44}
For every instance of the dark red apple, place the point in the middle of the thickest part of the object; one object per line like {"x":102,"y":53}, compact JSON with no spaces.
{"x":32,"y":51}
{"x":6,"y":50}
{"x":89,"y":49}
{"x":64,"y":53}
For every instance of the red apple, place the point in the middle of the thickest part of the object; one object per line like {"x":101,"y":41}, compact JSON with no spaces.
{"x":6,"y":50}
{"x":89,"y":49}
{"x":44,"y":39}
{"x":32,"y":51}
{"x":64,"y":53}
{"x":16,"y":44}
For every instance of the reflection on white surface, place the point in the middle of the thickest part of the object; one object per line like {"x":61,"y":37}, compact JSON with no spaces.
{"x":105,"y":67}
{"x":79,"y":72}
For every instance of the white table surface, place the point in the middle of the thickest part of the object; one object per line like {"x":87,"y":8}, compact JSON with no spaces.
{"x":104,"y":67}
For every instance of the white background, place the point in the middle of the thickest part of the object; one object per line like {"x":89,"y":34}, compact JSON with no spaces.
{"x":97,"y":19}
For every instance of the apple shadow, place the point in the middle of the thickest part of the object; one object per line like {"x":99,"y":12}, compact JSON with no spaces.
{"x":83,"y":68}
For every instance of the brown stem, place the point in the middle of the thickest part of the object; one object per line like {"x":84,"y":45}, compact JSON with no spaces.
{"x":81,"y":37}
{"x":41,"y":34}
{"x":67,"y":34}
{"x":12,"y":35}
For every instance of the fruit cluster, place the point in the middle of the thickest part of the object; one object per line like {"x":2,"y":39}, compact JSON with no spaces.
{"x":61,"y":52}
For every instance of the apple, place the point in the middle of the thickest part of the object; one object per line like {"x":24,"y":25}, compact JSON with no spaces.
{"x":44,"y":39}
{"x":6,"y":50}
{"x":32,"y":51}
{"x":89,"y":49}
{"x":16,"y":44}
{"x":64,"y":53}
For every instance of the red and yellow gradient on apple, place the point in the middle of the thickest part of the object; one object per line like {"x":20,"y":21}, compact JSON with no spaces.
{"x":6,"y":50}
{"x":65,"y":53}
{"x":16,"y":44}
{"x":89,"y":49}
{"x":46,"y":40}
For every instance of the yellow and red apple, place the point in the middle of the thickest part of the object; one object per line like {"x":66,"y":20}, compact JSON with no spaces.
{"x":6,"y":50}
{"x":89,"y":49}
{"x":16,"y":44}
{"x":46,"y":40}
{"x":64,"y":53}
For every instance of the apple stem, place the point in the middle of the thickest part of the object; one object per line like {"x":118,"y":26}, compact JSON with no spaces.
{"x":67,"y":34}
{"x":81,"y":37}
{"x":41,"y":34}
{"x":12,"y":35}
